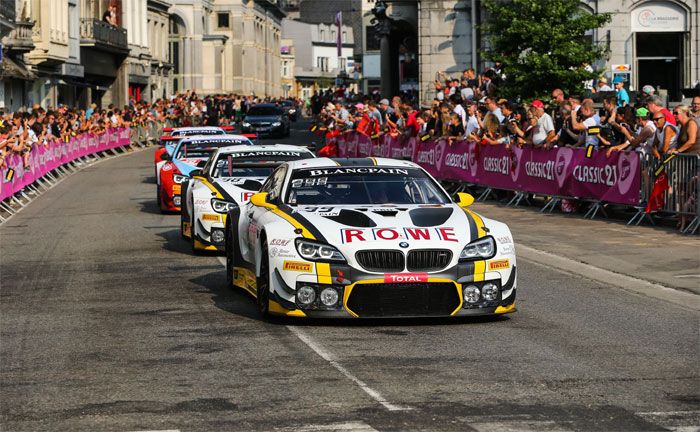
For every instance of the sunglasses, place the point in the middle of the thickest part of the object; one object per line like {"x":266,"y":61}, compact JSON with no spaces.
{"x":676,"y":113}
{"x":659,"y":118}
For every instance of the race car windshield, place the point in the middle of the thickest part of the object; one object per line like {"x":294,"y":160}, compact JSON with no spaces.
{"x":198,"y":149}
{"x":363,"y":185}
{"x":254,"y":163}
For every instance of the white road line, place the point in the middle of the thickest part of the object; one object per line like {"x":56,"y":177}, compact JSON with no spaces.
{"x":165,"y":430}
{"x":680,"y":298}
{"x":328,"y":356}
{"x":331,"y":427}
{"x":688,"y":276}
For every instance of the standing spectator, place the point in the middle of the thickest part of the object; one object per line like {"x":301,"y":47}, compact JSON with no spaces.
{"x":566,"y":135}
{"x":665,"y":137}
{"x":655,"y":105}
{"x":643,"y":140}
{"x":558,"y":97}
{"x":589,"y":119}
{"x":493,"y":108}
{"x":575,"y":102}
{"x":623,"y":99}
{"x":603,"y":85}
{"x":472,"y":120}
{"x":455,"y":128}
{"x":695,"y":107}
{"x":543,"y":134}
{"x":459,"y":109}
{"x":689,"y":135}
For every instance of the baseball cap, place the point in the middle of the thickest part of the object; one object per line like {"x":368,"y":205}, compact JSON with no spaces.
{"x":603,"y":80}
{"x":642,"y":112}
{"x":384,"y":102}
{"x":360,"y":106}
{"x":648,"y":89}
{"x":617,"y":80}
{"x":537,"y":103}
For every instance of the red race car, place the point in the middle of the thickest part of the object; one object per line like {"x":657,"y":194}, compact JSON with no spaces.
{"x":171,"y":136}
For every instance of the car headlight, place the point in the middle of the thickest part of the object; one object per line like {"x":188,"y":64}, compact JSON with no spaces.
{"x":481,"y":249}
{"x":179,"y":178}
{"x":275,"y":124}
{"x":313,"y":251}
{"x":221,"y":206}
{"x":246,"y":124}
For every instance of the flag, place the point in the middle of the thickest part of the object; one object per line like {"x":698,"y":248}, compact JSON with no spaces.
{"x":657,"y":195}
{"x":339,"y":37}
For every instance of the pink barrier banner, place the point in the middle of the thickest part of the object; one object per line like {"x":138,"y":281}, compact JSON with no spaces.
{"x":560,"y":171}
{"x":46,"y":158}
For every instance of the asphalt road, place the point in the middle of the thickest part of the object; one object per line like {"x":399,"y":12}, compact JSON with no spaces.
{"x":108,"y":323}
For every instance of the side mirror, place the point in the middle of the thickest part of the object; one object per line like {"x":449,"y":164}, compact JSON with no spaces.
{"x":197,"y":173}
{"x":464,"y":199}
{"x":260,"y":200}
{"x":165,"y":156}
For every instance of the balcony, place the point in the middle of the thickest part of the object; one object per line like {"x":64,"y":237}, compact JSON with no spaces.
{"x":99,"y":34}
{"x":20,"y":38}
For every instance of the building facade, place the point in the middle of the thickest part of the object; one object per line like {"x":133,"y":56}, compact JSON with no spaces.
{"x":226,"y":46}
{"x":160,"y":83}
{"x":16,"y":39}
{"x":652,"y":42}
{"x":317,"y":64}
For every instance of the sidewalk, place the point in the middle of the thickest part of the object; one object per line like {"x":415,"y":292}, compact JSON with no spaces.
{"x":656,"y":255}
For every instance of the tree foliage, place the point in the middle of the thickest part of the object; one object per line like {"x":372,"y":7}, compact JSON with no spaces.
{"x":542,"y":45}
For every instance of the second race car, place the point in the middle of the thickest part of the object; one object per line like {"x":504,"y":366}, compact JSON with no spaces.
{"x":189,"y":154}
{"x":228,"y":180}
{"x":367,"y":237}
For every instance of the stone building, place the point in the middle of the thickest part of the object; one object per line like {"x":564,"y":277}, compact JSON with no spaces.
{"x":226,"y":46}
{"x":16,"y":39}
{"x":160,"y":81}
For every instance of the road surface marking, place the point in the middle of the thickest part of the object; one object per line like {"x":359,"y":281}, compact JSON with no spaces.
{"x":330,"y":358}
{"x":333,"y":427}
{"x":688,"y":276}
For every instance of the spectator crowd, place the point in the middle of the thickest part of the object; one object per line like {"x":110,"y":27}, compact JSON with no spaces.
{"x":467,"y":108}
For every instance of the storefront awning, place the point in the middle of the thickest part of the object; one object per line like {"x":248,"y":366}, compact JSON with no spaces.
{"x":12,"y":69}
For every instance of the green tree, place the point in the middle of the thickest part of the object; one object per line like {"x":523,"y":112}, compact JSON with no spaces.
{"x":542,"y":45}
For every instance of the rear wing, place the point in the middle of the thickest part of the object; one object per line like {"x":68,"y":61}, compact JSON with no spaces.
{"x":228,"y":128}
{"x":164,"y":138}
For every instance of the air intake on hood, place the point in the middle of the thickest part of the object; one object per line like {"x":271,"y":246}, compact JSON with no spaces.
{"x":353,"y":218}
{"x":431,"y":216}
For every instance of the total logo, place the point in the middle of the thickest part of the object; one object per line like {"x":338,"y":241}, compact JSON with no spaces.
{"x":405,"y":277}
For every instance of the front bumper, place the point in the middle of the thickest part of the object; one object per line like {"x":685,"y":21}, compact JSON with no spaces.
{"x":170,"y":198}
{"x":368,"y":297}
{"x":263,"y":130}
{"x":206,"y":229}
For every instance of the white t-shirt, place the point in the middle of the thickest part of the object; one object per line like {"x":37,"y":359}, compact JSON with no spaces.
{"x":459,"y":109}
{"x":545,"y":125}
{"x":472,"y":125}
{"x":592,"y":121}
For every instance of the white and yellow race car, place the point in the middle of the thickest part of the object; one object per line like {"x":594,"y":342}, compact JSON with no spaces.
{"x":228,"y":180}
{"x":365,"y":238}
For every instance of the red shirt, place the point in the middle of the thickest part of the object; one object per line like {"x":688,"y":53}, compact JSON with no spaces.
{"x":669,"y":116}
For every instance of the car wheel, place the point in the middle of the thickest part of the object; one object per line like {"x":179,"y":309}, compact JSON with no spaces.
{"x":263,"y":286}
{"x":229,"y":256}
{"x":195,"y":251}
{"x":183,"y":212}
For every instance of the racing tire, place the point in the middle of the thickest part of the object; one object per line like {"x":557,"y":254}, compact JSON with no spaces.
{"x":262,"y":297}
{"x":229,"y":256}
{"x":194,"y":250}
{"x":183,"y":212}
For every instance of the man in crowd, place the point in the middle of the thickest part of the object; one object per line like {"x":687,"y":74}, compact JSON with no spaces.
{"x":695,"y":107}
{"x":689,"y":135}
{"x":493,"y":108}
{"x":590,"y":119}
{"x":543,"y":134}
{"x":603,"y":85}
{"x":655,"y":105}
{"x":623,"y":98}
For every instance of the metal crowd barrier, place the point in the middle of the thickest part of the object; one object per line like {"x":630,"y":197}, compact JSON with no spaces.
{"x":139,"y":136}
{"x":681,"y":198}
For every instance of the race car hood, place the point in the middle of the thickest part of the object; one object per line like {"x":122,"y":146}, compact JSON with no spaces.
{"x":239,"y":189}
{"x":187,"y":165}
{"x":352,"y":228}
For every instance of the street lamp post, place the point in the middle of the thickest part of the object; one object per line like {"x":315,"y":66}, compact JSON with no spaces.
{"x":383,"y":25}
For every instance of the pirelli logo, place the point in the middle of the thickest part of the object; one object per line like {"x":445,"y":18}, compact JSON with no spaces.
{"x":499,"y":265}
{"x":297,"y":266}
{"x":210,"y":217}
{"x":177,"y":188}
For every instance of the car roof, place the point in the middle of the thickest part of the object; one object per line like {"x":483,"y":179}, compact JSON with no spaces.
{"x":349,"y":162}
{"x":265,"y":105}
{"x":225,"y":137}
{"x":196,"y":128}
{"x":263,"y":147}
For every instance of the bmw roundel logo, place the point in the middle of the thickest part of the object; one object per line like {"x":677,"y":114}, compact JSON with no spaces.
{"x":403,"y":245}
